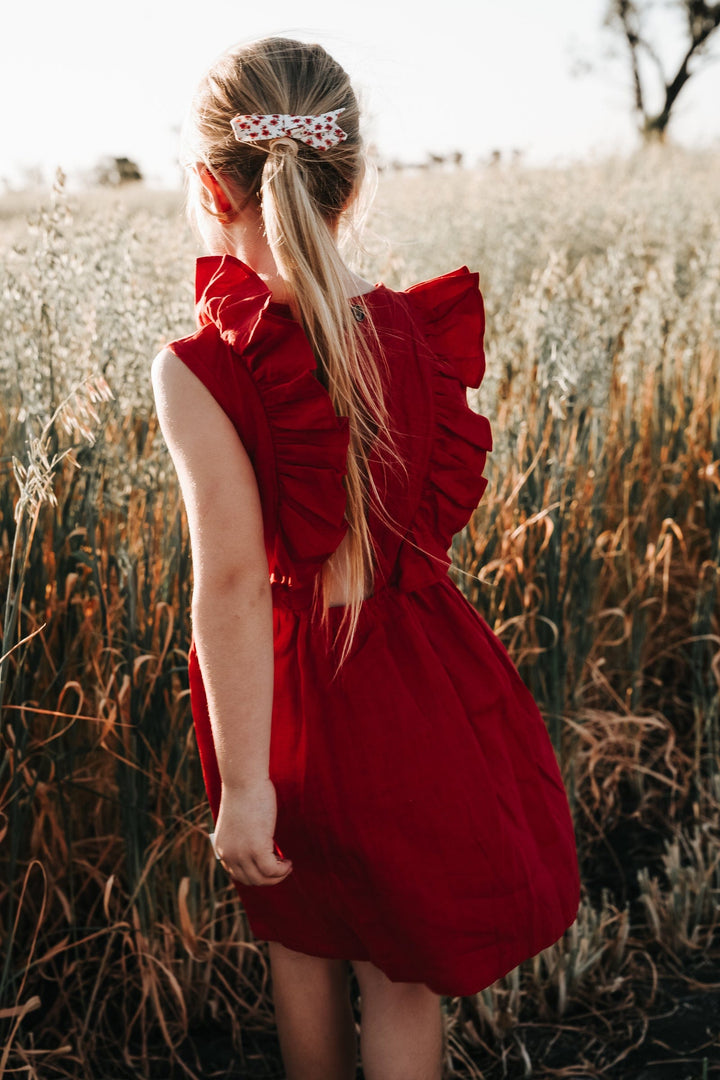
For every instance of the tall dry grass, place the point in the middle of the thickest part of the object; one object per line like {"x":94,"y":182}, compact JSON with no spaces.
{"x":595,"y":555}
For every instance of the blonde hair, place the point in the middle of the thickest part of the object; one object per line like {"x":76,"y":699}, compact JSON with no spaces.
{"x":303,"y":193}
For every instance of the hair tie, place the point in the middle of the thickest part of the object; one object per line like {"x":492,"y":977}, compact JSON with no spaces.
{"x":320,"y":132}
{"x":283,"y":140}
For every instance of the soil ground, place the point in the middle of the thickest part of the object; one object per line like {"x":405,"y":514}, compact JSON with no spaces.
{"x":676,"y":1037}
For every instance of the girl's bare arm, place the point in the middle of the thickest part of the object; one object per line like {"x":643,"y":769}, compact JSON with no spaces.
{"x":232,"y":605}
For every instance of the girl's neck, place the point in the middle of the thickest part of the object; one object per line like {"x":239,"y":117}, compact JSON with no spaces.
{"x":246,"y":240}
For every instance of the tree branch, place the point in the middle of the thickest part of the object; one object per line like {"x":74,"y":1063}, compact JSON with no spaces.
{"x":645,"y":44}
{"x":703,"y":19}
{"x":625,"y":10}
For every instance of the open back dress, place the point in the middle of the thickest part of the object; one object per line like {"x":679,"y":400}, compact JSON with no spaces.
{"x":419,"y":796}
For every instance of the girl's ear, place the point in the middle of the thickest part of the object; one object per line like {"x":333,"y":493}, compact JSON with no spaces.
{"x":220,"y":200}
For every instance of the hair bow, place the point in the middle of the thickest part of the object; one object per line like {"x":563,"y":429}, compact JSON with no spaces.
{"x":318,"y":131}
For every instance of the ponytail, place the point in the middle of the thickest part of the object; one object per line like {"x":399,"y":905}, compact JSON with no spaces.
{"x":307,"y":257}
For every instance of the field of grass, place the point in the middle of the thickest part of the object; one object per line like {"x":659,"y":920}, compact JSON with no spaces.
{"x":595,"y":556}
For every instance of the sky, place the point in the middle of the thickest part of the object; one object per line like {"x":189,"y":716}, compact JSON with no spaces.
{"x":80,"y":79}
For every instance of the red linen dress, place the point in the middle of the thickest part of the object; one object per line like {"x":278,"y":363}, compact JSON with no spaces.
{"x":419,"y":796}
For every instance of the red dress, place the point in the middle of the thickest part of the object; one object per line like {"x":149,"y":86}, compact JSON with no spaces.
{"x":419,"y":796}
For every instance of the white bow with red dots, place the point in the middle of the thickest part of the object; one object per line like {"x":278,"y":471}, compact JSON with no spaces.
{"x":318,"y":131}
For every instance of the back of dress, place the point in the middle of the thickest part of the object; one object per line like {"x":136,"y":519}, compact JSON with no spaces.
{"x":418,"y":792}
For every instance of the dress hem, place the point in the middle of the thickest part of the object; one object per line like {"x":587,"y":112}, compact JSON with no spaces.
{"x":328,"y":953}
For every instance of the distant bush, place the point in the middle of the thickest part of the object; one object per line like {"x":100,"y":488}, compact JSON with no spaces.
{"x":114,"y":171}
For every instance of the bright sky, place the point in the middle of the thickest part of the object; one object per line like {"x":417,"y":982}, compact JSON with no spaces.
{"x":82,"y":78}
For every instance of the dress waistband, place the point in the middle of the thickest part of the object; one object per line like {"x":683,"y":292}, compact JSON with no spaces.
{"x":298,"y":598}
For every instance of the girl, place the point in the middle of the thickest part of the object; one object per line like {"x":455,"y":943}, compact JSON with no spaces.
{"x":383,"y":787}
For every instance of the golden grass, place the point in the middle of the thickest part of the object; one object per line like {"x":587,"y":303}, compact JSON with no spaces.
{"x":595,"y":555}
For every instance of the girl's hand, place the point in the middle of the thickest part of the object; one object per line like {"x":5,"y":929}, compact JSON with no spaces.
{"x":244,"y":832}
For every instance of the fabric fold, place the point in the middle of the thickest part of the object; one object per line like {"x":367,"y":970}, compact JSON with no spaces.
{"x":451,"y":312}
{"x":310,"y":441}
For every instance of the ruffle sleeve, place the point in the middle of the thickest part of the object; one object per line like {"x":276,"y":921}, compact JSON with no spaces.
{"x":451,"y":312}
{"x":309,"y":441}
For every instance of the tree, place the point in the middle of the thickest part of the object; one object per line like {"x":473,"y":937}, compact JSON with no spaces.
{"x":629,"y":17}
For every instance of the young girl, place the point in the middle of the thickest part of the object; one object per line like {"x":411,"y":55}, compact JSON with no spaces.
{"x":383,"y":787}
